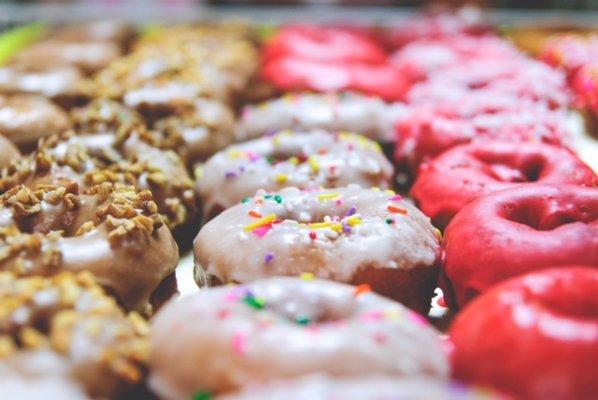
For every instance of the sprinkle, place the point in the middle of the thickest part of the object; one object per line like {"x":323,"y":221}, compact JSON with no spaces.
{"x":392,"y":315}
{"x":252,"y":156}
{"x":262,"y":222}
{"x":372,"y":316}
{"x":339,"y":202}
{"x":390,"y":221}
{"x":396,"y":210}
{"x":245,"y":200}
{"x":396,"y":197}
{"x":230,"y":175}
{"x":234,"y":154}
{"x":269,"y":257}
{"x":278,"y":199}
{"x":307,"y":276}
{"x":262,"y":230}
{"x":254,"y":214}
{"x":361,"y":289}
{"x":418,"y":319}
{"x":390,"y":192}
{"x":327,"y":196}
{"x":354,"y":220}
{"x":351,"y":211}
{"x":223,"y":314}
{"x":254,"y":302}
{"x":281,"y":178}
{"x":375,"y":189}
{"x":239,"y":343}
{"x":312,"y":235}
{"x":335,"y":226}
{"x":346,"y":228}
{"x":201,"y":395}
{"x":303,"y":321}
{"x":313,"y":163}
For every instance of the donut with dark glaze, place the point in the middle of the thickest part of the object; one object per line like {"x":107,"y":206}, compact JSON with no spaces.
{"x":113,"y":231}
{"x":459,"y":175}
{"x":64,"y":335}
{"x":533,"y":336}
{"x":518,"y":230}
{"x":284,"y":328}
{"x":307,"y":160}
{"x":24,"y":119}
{"x":350,"y":234}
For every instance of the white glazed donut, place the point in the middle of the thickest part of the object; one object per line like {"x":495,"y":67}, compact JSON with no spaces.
{"x":222,"y":339}
{"x":366,"y":115}
{"x":371,"y":387}
{"x":351,"y":235}
{"x":301,"y":159}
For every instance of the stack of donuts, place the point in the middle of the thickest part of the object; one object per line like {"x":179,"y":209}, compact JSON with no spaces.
{"x":341,"y":187}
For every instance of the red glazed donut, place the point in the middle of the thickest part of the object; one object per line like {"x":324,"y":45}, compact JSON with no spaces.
{"x":324,"y":44}
{"x":290,"y":73}
{"x":534,"y":336}
{"x":515,"y":231}
{"x":464,"y":173}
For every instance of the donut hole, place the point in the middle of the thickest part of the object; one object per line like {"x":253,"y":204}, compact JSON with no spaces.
{"x":507,"y":169}
{"x":545,"y":214}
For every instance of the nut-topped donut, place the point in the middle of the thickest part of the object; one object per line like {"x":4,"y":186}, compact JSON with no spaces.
{"x":300,"y":159}
{"x":459,"y":175}
{"x":114,"y":232}
{"x":372,"y":387}
{"x":65,"y":330}
{"x":353,"y":112}
{"x":24,"y":119}
{"x":9,"y":152}
{"x":61,"y":83}
{"x":284,"y":328}
{"x":112,"y":147}
{"x":352,"y":235}
{"x":544,"y":330}
{"x":515,"y":231}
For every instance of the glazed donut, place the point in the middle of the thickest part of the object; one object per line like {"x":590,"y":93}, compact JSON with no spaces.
{"x":199,"y":131}
{"x":521,"y":78}
{"x":114,"y":232}
{"x":372,"y":387}
{"x":544,"y":332}
{"x":351,"y":235}
{"x":459,"y":175}
{"x":64,"y":330}
{"x":88,"y":56}
{"x":518,"y":230}
{"x":425,"y":132}
{"x":290,"y":73}
{"x":111,"y":147}
{"x":321,"y":43}
{"x":284,"y":328}
{"x":333,"y":112}
{"x":306,"y":160}
{"x":24,"y":119}
{"x":9,"y":152}
{"x":61,"y":83}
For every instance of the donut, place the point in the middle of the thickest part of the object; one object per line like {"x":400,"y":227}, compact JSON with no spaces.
{"x":544,"y":331}
{"x":463,"y":173}
{"x":373,"y":387}
{"x":518,"y":230}
{"x":569,"y":52}
{"x":199,"y":131}
{"x":585,"y":85}
{"x":368,"y":116}
{"x":97,"y":31}
{"x":321,"y":43}
{"x":88,"y":56}
{"x":300,"y":159}
{"x":115,"y":232}
{"x":307,"y":160}
{"x":112,"y":147}
{"x":9,"y":152}
{"x":282,"y":328}
{"x":291,"y":73}
{"x":352,"y":235}
{"x":521,"y":78}
{"x":65,"y":334}
{"x":426,"y":131}
{"x":24,"y":119}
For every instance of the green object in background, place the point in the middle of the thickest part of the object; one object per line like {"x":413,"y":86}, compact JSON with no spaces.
{"x":265,"y":32}
{"x":18,"y":38}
